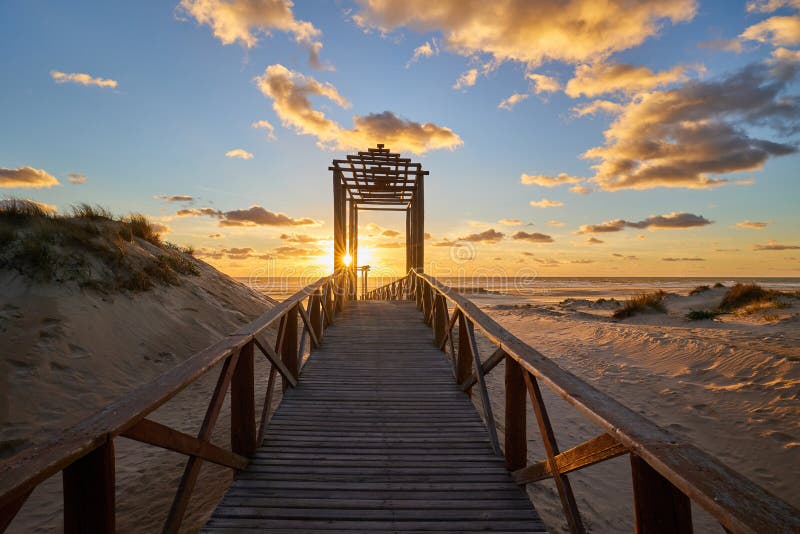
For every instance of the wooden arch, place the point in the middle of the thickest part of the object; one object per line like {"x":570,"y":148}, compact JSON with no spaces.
{"x":377,"y":180}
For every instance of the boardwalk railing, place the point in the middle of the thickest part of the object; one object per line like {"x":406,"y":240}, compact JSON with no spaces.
{"x":667,"y":473}
{"x":85,"y":452}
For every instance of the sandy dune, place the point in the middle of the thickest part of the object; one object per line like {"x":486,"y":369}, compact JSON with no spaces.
{"x":731,"y":387}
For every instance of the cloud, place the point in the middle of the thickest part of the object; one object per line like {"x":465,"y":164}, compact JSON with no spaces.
{"x":602,"y":78}
{"x":490,"y":236}
{"x":769,"y":6}
{"x":681,"y":136}
{"x":683,"y":259}
{"x":160,"y":228}
{"x":555,"y":223}
{"x":266,"y":125}
{"x":467,"y":79}
{"x":530,"y":31}
{"x":258,"y":216}
{"x":581,"y":190}
{"x":6,"y":203}
{"x":534,"y":237}
{"x":76,"y":179}
{"x":290,"y":90}
{"x":216,"y":236}
{"x":426,"y":49}
{"x":175,"y":198}
{"x":300,"y":238}
{"x":26,"y":177}
{"x":196,"y":212}
{"x":252,"y":216}
{"x":511,"y":101}
{"x":754,"y":225}
{"x":778,"y":31}
{"x":549,"y":181}
{"x":596,"y":106}
{"x":582,"y":262}
{"x":774,"y":245}
{"x":543,"y":84}
{"x":655,"y":222}
{"x":623,"y":256}
{"x":546,"y":203}
{"x":594,"y":241}
{"x":390,"y":233}
{"x":241,"y":20}
{"x":82,"y":79}
{"x":239,"y":153}
{"x":510,"y":222}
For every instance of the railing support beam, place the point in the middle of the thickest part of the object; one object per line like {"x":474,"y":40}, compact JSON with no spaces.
{"x":660,"y":507}
{"x":243,"y":404}
{"x":89,"y":493}
{"x":515,"y":417}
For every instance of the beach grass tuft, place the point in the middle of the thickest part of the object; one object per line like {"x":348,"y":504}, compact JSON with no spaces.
{"x":641,"y":303}
{"x":699,"y":289}
{"x":741,"y":295}
{"x":701,"y":315}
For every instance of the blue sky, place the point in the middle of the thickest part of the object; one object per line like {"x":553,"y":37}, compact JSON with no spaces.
{"x":184,"y":99}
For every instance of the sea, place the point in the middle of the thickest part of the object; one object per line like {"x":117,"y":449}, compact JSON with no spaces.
{"x":544,"y":290}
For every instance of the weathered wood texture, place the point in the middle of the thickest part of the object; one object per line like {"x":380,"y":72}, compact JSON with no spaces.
{"x":376,"y":437}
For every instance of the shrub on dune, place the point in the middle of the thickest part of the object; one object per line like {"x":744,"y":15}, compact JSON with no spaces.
{"x":641,"y":303}
{"x":743,"y":294}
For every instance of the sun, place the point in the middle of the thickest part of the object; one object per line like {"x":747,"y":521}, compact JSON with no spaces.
{"x":348,"y":259}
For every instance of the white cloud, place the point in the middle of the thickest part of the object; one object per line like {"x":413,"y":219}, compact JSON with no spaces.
{"x":266,"y":125}
{"x":239,"y":153}
{"x":82,"y":79}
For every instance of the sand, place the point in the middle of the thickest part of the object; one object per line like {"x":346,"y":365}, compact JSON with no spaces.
{"x":66,"y":353}
{"x":729,"y":386}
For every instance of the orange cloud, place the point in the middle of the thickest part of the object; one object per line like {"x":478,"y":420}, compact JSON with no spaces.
{"x":266,"y":125}
{"x":511,"y":101}
{"x":549,"y":181}
{"x":530,"y":31}
{"x":657,"y":222}
{"x":543,"y":84}
{"x":546,"y":203}
{"x":753,"y":225}
{"x":681,"y":136}
{"x":241,"y":20}
{"x":467,"y":79}
{"x":26,"y":177}
{"x":239,"y":153}
{"x":82,"y":79}
{"x":778,"y":31}
{"x":290,"y":90}
{"x":602,"y":78}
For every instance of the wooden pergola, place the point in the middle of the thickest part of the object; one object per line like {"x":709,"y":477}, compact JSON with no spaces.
{"x":377,"y":180}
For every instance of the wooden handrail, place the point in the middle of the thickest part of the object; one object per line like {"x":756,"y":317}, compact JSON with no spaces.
{"x":739,"y":504}
{"x":21,"y":473}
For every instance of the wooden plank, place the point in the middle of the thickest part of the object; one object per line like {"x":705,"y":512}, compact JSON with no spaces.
{"x":154,"y":433}
{"x":551,"y":448}
{"x":8,"y":513}
{"x":262,"y":427}
{"x":89,"y":493}
{"x":516,"y":440}
{"x":243,"y":405}
{"x":490,"y":363}
{"x":595,"y":450}
{"x":276,"y":362}
{"x":659,"y":506}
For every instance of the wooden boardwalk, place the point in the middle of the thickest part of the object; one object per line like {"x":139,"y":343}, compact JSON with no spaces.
{"x":376,"y":437}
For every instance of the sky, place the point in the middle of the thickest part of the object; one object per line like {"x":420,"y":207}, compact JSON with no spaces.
{"x":563,"y":138}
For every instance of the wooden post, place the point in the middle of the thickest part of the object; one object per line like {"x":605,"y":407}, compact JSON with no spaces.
{"x":89,"y":493}
{"x":659,"y":506}
{"x":515,"y":420}
{"x":315,"y":316}
{"x":352,"y":248}
{"x":243,"y":404}
{"x":289,"y":354}
{"x":339,"y":245}
{"x":419,"y":226}
{"x":464,"y":358}
{"x":408,"y":240}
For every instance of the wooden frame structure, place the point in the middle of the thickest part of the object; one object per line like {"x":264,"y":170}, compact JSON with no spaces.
{"x":667,"y":475}
{"x":377,"y":180}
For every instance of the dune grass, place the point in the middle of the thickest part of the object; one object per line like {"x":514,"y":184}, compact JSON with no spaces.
{"x":701,"y":315}
{"x":699,"y":289}
{"x":741,"y":295}
{"x":641,"y":303}
{"x":89,"y":246}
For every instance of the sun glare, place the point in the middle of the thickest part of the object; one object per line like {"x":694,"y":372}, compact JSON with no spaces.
{"x":348,"y":259}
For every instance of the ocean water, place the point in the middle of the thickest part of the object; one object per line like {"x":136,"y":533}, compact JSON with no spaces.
{"x":544,"y":289}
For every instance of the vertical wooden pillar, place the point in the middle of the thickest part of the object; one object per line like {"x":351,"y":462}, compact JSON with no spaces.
{"x":660,"y":507}
{"x":516,"y":440}
{"x":464,"y":357}
{"x":338,"y":223}
{"x":354,"y":250}
{"x":419,"y":230}
{"x":89,"y":498}
{"x":315,"y":316}
{"x":289,"y":353}
{"x":243,"y":404}
{"x":408,"y":240}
